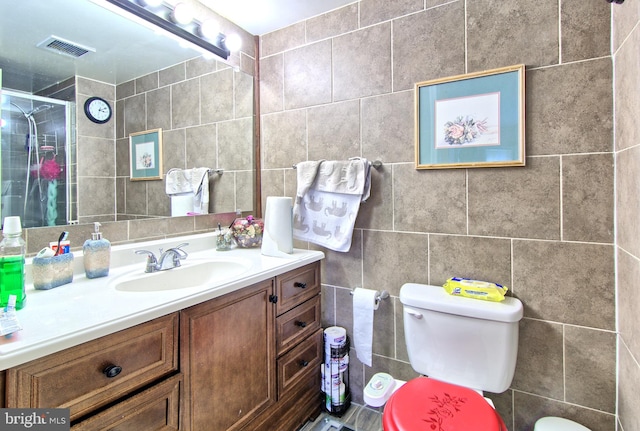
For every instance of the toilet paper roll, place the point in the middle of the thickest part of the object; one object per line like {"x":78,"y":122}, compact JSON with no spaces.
{"x":181,"y":204}
{"x":334,"y":336}
{"x":277,"y":238}
{"x":364,"y":304}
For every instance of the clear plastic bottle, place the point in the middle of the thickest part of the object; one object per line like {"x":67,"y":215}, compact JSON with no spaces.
{"x":12,"y":251}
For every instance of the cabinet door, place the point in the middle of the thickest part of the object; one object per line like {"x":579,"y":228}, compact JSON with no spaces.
{"x":228,"y":359}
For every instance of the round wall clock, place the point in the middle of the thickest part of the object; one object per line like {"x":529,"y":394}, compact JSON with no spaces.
{"x":97,"y":110}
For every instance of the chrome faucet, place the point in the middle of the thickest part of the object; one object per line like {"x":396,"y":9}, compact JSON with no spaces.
{"x":168,"y":259}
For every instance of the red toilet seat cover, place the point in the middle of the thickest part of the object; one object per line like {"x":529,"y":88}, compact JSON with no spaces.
{"x":430,"y":405}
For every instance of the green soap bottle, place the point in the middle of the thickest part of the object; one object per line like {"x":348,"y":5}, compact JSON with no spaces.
{"x":12,"y":250}
{"x":96,"y":254}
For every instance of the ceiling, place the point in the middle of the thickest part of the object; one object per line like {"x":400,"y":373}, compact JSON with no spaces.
{"x":123,"y":49}
{"x":259,"y":17}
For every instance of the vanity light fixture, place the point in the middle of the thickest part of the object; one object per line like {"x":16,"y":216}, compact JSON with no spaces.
{"x":616,"y":1}
{"x":174,"y":20}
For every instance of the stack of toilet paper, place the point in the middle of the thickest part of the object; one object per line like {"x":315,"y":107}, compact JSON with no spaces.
{"x":336,"y":362}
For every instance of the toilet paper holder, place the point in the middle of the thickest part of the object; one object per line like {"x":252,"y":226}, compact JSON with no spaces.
{"x":379,"y":296}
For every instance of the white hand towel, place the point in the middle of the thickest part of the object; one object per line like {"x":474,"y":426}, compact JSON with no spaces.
{"x":177,"y":181}
{"x":199,"y":179}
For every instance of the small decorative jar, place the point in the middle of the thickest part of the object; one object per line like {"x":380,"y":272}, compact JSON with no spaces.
{"x":247,"y":231}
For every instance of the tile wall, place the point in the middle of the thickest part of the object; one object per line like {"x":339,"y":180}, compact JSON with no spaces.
{"x":626,"y":45}
{"x":341,"y":85}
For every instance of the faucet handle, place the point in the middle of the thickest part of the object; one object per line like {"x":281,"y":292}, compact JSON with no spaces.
{"x":151,"y":260}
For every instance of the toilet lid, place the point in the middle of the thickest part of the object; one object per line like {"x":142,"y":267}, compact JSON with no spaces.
{"x":428,"y":404}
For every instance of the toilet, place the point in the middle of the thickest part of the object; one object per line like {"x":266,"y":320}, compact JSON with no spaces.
{"x":465,"y":346}
{"x":552,"y":423}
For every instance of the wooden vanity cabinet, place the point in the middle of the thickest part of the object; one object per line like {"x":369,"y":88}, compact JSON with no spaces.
{"x":105,"y":372}
{"x":227,"y":356}
{"x":3,"y":403}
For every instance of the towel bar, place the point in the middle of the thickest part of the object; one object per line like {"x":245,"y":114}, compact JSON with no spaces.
{"x":379,"y":295}
{"x":377,"y":164}
{"x":211,"y":171}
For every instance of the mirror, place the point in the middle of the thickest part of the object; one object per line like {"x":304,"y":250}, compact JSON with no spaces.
{"x":69,"y":169}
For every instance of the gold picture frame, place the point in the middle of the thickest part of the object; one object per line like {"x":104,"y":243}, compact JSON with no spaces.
{"x":471,"y":121}
{"x":145,"y":155}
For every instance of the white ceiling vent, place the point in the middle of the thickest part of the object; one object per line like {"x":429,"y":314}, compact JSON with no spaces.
{"x":65,"y":47}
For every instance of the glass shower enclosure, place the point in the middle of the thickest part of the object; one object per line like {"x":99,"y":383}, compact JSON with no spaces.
{"x":35,"y":159}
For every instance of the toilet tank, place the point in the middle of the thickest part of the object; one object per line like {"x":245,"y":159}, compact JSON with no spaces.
{"x":464,"y":341}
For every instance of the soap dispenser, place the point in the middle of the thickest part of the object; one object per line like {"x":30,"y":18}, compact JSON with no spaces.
{"x":97,"y":254}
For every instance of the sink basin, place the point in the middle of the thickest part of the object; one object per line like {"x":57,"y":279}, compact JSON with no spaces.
{"x":192,"y":273}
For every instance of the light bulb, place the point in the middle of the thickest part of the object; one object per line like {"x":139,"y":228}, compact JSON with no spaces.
{"x":182,"y":14}
{"x":209,"y":29}
{"x":233,"y":42}
{"x":152,"y":3}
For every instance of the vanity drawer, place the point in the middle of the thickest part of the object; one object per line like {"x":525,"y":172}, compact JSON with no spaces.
{"x":154,"y":409}
{"x":297,"y":286}
{"x":77,"y":378}
{"x":300,"y":364}
{"x":297,"y":324}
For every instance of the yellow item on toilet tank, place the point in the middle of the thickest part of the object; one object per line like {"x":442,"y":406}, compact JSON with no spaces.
{"x":476,"y":289}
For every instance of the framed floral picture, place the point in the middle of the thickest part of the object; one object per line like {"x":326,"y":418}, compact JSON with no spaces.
{"x":145,"y":155}
{"x":471,"y":121}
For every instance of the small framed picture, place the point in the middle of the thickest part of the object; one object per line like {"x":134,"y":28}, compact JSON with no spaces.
{"x":145,"y":155}
{"x":471,"y":121}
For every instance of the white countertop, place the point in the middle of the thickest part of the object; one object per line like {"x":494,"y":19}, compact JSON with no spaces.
{"x":86,"y":309}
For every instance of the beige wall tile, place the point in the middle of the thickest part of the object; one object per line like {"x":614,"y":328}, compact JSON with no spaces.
{"x":284,"y":139}
{"x":170,"y":75}
{"x":438,"y":205}
{"x":627,"y":106}
{"x":392,"y":259}
{"x":584,"y":89}
{"x":201,"y":146}
{"x":401,"y":344}
{"x":135,"y":111}
{"x":235,"y":145}
{"x":628,"y":305}
{"x":334,"y":131}
{"x":147,"y":83}
{"x":516,"y":202}
{"x":185,"y":104}
{"x":159,"y":109}
{"x":364,"y":50}
{"x":627,"y":192}
{"x":376,"y":11}
{"x":344,"y":269}
{"x":272,"y":84}
{"x":96,"y":157}
{"x":505,"y":33}
{"x":283,"y":39}
{"x":216,"y":97}
{"x":334,"y":23}
{"x":478,"y":258}
{"x":587,"y":198}
{"x":540,"y":359}
{"x":628,"y":393}
{"x":625,"y":18}
{"x":428,"y":45}
{"x":529,"y":408}
{"x":590,"y":363}
{"x":580,"y":41}
{"x":565,"y":282}
{"x":328,"y":298}
{"x":96,"y":196}
{"x":174,"y":154}
{"x":388,"y":127}
{"x":377,"y":211}
{"x":307,"y":75}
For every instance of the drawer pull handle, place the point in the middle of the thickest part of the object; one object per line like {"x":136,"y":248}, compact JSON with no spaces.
{"x":301,"y":324}
{"x":300,"y":284}
{"x":304,"y":363}
{"x":112,"y":370}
